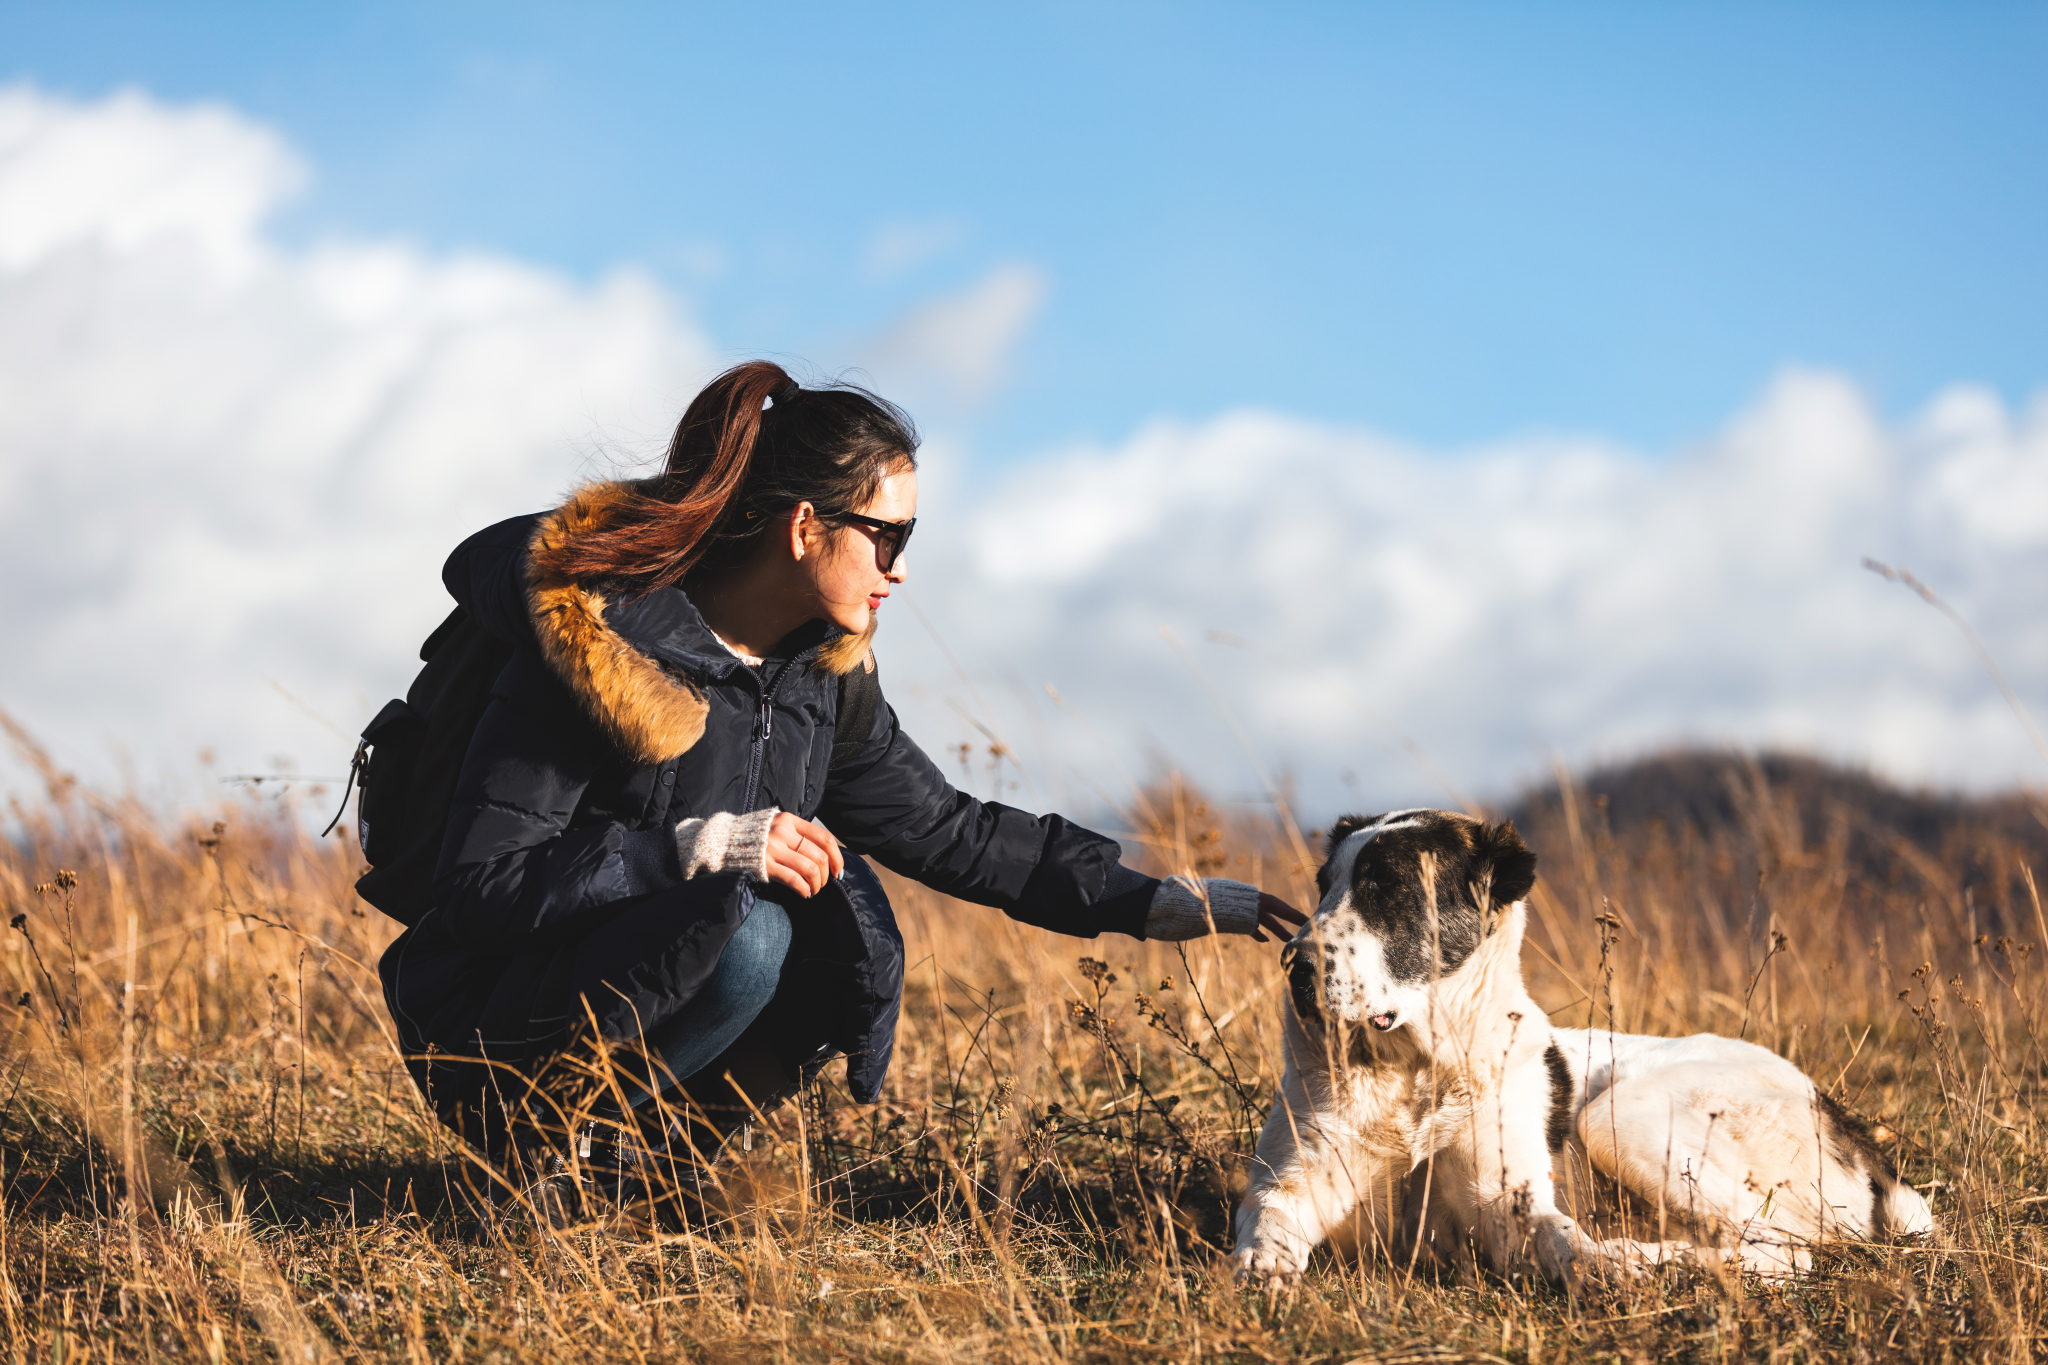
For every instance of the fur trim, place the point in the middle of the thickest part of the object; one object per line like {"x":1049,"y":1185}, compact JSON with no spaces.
{"x":651,"y":715}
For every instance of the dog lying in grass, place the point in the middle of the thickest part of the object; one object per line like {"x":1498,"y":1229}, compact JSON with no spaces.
{"x":1428,"y":1104}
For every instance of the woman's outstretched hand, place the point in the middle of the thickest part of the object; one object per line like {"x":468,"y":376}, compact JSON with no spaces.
{"x":1277,"y":917}
{"x":801,"y":855}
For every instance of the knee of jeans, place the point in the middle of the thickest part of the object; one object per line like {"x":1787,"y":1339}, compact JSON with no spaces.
{"x":754,"y":954}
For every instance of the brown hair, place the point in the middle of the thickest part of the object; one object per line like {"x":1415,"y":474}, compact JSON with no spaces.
{"x":733,"y":465}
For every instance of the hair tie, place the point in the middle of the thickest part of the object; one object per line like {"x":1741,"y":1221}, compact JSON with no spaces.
{"x":786,"y":393}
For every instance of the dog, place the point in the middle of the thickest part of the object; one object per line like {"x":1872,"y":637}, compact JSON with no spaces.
{"x":1429,"y":1108}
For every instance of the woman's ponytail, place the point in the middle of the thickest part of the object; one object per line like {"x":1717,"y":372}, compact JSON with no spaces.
{"x":752,"y":443}
{"x":714,"y":444}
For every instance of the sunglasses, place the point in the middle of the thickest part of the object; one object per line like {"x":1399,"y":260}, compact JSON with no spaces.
{"x":890,"y":536}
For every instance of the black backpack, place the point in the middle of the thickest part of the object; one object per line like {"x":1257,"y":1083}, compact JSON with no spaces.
{"x":410,"y":757}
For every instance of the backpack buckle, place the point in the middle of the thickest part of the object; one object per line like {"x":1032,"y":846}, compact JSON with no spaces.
{"x":355,"y":768}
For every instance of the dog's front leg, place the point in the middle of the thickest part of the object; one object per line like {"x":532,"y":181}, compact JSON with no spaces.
{"x":1304,"y":1182}
{"x":1520,"y":1224}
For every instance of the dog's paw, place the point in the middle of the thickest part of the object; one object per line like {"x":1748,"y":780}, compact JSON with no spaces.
{"x":1268,"y":1265}
{"x":1555,"y":1243}
{"x":1567,"y":1257}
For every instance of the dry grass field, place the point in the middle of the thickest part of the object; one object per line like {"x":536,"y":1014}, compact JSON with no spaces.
{"x":211,"y":1152}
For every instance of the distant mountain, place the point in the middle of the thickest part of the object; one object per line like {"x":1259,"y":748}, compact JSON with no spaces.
{"x":1732,"y":818}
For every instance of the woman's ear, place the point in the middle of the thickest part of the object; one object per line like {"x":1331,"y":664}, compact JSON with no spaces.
{"x":803,"y":531}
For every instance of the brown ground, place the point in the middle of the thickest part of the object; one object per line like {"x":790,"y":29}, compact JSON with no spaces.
{"x":211,"y":1153}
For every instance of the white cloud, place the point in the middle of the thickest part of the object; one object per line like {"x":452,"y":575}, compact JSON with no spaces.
{"x":1535,"y":596}
{"x":128,"y":172}
{"x":956,"y":349}
{"x":897,"y":247}
{"x":224,"y":461}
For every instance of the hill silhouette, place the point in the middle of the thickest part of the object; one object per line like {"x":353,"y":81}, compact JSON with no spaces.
{"x":1746,"y":823}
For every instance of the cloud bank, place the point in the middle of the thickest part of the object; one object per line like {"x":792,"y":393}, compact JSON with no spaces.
{"x":229,"y":470}
{"x":1496,"y":607}
{"x":228,"y":467}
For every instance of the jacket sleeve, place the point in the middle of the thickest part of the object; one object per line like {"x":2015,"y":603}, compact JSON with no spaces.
{"x":510,"y":866}
{"x":891,"y":802}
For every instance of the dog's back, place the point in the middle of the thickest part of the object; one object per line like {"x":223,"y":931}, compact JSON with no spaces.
{"x":1730,"y":1142}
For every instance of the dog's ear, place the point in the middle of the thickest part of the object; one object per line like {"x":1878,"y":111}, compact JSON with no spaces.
{"x":1498,"y":849}
{"x":1346,"y":826}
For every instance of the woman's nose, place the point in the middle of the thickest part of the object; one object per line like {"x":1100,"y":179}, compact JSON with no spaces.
{"x":900,"y":570}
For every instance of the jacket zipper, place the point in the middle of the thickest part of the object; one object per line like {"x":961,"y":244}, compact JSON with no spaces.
{"x":763,"y":726}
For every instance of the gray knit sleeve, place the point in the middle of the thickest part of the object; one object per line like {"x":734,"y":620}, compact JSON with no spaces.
{"x":1184,"y":908}
{"x":726,"y":843}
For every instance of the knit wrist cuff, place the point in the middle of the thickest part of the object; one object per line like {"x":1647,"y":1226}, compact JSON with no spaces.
{"x":1183,"y":907}
{"x":726,"y":843}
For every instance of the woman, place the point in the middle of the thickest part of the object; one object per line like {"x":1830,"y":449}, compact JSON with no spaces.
{"x":649,"y":841}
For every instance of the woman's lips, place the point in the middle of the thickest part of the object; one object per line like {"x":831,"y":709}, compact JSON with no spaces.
{"x":875,"y":600}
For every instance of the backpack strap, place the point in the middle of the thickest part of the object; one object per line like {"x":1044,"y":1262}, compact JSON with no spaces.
{"x":860,"y":697}
{"x":412,"y":756}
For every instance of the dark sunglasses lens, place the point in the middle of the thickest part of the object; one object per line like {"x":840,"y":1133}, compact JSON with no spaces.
{"x":890,"y":538}
{"x":889,"y":543}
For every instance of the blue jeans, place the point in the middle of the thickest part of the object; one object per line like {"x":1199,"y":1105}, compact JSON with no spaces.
{"x":738,"y":989}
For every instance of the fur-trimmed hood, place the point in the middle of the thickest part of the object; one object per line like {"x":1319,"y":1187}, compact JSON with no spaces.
{"x":629,"y":661}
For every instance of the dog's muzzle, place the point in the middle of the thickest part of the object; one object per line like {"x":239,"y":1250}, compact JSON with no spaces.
{"x":1308,"y":966}
{"x":1305,"y":964}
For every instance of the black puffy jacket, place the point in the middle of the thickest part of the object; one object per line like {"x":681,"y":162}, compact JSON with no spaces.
{"x":561,"y":901}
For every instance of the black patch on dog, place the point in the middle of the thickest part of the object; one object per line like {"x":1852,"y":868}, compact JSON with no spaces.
{"x":1850,"y":1141}
{"x":1478,"y":870}
{"x":1880,"y":1226}
{"x":1560,"y":1125}
{"x":1513,"y":862}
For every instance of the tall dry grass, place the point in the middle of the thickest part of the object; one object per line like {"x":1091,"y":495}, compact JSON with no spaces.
{"x":212,"y":1153}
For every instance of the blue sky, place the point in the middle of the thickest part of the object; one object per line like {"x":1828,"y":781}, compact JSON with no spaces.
{"x":1452,"y":223}
{"x":1466,"y":387}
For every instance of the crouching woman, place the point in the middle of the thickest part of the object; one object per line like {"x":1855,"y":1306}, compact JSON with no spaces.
{"x":649,"y":848}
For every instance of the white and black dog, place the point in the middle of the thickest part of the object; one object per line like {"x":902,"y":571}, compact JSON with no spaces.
{"x":1427,"y":1100}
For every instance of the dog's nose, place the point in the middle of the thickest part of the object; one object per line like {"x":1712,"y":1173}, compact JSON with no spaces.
{"x":1305,"y":982}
